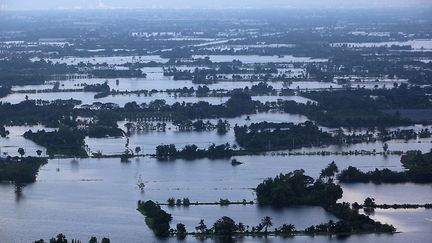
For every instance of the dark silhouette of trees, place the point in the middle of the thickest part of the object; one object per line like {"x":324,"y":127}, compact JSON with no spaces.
{"x":21,"y":152}
{"x":202,"y":227}
{"x":225,"y":226}
{"x":266,"y":136}
{"x":3,"y":132}
{"x":295,"y":188}
{"x":329,"y":172}
{"x":266,"y":222}
{"x":168,"y":152}
{"x":418,"y":170}
{"x":181,"y":231}
{"x":23,"y":170}
{"x":65,"y":141}
{"x":157,"y":219}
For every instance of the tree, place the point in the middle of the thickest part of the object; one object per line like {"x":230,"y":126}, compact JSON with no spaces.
{"x":241,"y":227}
{"x":39,"y":152}
{"x":186,"y":202}
{"x":21,"y":152}
{"x":225,"y":226}
{"x":61,"y":238}
{"x":201,"y":228}
{"x":329,"y":172}
{"x":105,"y":240}
{"x":369,"y":202}
{"x":181,"y":230}
{"x":137,"y":149}
{"x":287,"y":228}
{"x":171,"y":201}
{"x":296,"y":188}
{"x":266,"y":222}
{"x":93,"y":239}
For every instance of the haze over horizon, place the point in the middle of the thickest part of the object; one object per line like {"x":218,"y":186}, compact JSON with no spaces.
{"x":206,"y":4}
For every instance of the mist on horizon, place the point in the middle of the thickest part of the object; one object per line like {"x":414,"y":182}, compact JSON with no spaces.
{"x":207,"y":4}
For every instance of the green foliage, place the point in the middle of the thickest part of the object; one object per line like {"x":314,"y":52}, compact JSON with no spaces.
{"x":167,"y":152}
{"x":295,"y":188}
{"x":225,"y":226}
{"x":65,"y":141}
{"x":23,"y":170}
{"x":273,"y":136}
{"x":329,"y":172}
{"x":3,"y":132}
{"x":157,"y":219}
{"x":418,"y":165}
{"x":287,"y":229}
{"x":181,"y":231}
{"x":352,"y":174}
{"x":61,"y":238}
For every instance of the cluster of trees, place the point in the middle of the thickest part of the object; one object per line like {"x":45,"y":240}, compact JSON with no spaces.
{"x":352,"y":174}
{"x":350,"y":221}
{"x":359,"y":107}
{"x":405,"y":134}
{"x":65,"y":141}
{"x":357,"y":224}
{"x":238,"y":104}
{"x":102,"y":90}
{"x":104,"y":125}
{"x":167,"y":152}
{"x":20,"y":170}
{"x":418,"y":169}
{"x":296,"y":188}
{"x":156,"y":218}
{"x":362,"y":107}
{"x":226,"y":227}
{"x":23,"y":71}
{"x":97,"y":88}
{"x":115,"y":73}
{"x":266,"y":136}
{"x":419,"y":165}
{"x":179,"y":202}
{"x":222,"y":126}
{"x":33,"y":112}
{"x":61,"y":238}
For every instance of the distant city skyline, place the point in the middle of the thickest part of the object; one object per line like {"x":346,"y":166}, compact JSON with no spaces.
{"x":210,"y":4}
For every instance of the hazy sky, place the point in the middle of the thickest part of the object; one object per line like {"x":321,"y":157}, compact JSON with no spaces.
{"x":70,"y":4}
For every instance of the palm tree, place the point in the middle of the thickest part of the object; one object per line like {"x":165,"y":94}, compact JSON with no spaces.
{"x":266,"y":222}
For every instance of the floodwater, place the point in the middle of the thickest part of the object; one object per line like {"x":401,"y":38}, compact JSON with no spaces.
{"x":98,"y":197}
